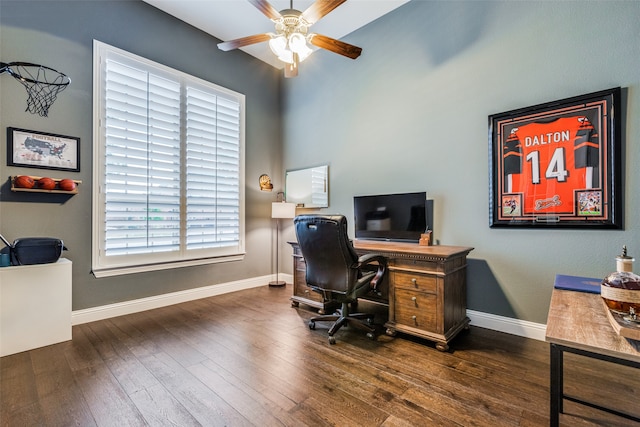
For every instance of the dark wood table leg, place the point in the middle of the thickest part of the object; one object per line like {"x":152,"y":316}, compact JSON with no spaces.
{"x":556,"y":391}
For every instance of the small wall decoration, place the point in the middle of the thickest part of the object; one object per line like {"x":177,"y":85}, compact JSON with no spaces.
{"x":557,"y":164}
{"x":42,"y":150}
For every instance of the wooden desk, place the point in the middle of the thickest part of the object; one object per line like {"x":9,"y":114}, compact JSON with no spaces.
{"x":425,"y":288}
{"x":578,"y":323}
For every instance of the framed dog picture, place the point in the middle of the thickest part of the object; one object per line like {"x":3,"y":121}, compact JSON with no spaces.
{"x":557,"y":164}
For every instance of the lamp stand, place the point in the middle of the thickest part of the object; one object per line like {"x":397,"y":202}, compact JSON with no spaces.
{"x":277,"y":282}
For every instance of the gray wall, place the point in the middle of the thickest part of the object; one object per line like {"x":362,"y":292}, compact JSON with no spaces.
{"x":59,"y":34}
{"x":411,"y":114}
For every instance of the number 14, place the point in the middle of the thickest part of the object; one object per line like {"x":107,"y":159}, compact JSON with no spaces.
{"x":555,"y":170}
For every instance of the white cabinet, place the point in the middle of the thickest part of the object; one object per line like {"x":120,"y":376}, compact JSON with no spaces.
{"x":35,"y":306}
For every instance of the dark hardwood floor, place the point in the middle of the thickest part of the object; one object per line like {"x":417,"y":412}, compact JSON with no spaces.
{"x":249,"y":359}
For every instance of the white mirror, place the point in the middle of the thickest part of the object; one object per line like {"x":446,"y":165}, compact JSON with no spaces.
{"x":308,"y":188}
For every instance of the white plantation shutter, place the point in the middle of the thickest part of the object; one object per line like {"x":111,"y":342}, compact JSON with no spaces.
{"x":319,"y":193}
{"x":168,"y":168}
{"x":142,"y":173}
{"x":213,"y":203}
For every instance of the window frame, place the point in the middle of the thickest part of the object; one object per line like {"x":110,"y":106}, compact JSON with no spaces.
{"x":105,"y":266}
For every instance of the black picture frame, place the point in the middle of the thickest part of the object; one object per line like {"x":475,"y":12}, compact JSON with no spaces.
{"x":558,"y":164}
{"x":33,"y":149}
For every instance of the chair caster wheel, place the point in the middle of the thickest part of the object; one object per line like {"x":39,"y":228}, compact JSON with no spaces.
{"x":371,"y":336}
{"x":332,"y":340}
{"x":312,"y":325}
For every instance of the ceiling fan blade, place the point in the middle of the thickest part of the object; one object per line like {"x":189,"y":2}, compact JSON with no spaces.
{"x":291,"y":70}
{"x":244,"y":41}
{"x":336,"y":46}
{"x":265,"y":7}
{"x":319,"y":9}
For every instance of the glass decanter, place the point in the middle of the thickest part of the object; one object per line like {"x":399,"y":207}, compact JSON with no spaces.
{"x":621,"y":289}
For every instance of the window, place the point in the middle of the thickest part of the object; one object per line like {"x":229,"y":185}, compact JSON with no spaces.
{"x":168,"y":167}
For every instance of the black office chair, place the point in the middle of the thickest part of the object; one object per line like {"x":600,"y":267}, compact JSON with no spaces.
{"x":335,"y":270}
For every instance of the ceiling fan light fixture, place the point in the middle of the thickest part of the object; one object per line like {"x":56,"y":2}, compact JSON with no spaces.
{"x":303,"y":52}
{"x":278,"y":45}
{"x":292,"y":42}
{"x":286,"y":56}
{"x":297,"y":42}
{"x":284,"y":47}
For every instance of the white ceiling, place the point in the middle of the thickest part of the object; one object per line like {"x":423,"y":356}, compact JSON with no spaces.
{"x":232,"y":19}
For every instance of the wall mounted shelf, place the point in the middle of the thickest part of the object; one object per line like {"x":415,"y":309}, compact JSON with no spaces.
{"x":41,"y":190}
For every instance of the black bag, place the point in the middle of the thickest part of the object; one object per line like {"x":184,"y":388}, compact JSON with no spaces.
{"x":33,"y":250}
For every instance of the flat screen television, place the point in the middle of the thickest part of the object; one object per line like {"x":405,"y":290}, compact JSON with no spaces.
{"x":394,"y":217}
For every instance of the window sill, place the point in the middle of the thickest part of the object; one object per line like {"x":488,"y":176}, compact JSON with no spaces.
{"x":119,"y":271}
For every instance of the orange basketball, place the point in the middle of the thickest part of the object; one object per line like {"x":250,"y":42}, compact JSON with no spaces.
{"x":67,"y":185}
{"x":24,"y":181}
{"x":46,"y":183}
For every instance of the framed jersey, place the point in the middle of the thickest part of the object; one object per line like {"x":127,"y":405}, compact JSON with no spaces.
{"x":557,"y":164}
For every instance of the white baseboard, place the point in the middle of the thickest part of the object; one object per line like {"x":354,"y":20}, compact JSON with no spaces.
{"x":484,"y":320}
{"x":134,"y":306}
{"x":508,"y":325}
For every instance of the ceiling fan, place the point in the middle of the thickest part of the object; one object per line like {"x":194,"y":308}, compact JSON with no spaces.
{"x":289,"y":42}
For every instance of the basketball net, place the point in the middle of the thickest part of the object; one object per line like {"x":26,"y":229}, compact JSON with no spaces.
{"x":43,"y":84}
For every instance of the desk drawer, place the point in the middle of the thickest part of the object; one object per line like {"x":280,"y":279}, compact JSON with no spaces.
{"x":414,"y":281}
{"x":416,"y":309}
{"x":414,"y":264}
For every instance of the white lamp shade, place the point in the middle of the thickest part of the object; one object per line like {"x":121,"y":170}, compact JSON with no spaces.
{"x":278,"y":45}
{"x":283,"y":210}
{"x":286,"y":56}
{"x":304,"y":53}
{"x":297,"y":42}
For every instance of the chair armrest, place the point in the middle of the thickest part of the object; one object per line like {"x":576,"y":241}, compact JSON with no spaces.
{"x":374,"y":259}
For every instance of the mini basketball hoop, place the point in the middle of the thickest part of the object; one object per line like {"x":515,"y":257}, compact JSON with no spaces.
{"x":43,"y":84}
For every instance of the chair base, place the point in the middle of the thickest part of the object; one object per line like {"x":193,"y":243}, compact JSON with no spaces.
{"x":363,"y":321}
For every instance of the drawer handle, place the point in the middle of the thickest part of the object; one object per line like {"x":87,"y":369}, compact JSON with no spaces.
{"x":415,"y":301}
{"x":306,"y":291}
{"x":415,"y":320}
{"x":415,"y":282}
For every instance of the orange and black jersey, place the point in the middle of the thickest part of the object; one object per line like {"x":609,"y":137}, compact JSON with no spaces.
{"x":546,"y":161}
